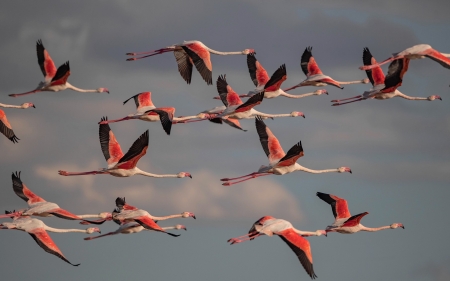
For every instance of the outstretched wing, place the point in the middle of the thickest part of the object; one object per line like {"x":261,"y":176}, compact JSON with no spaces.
{"x":258,"y":74}
{"x":45,"y":62}
{"x":338,"y":205}
{"x":122,"y":205}
{"x":226,"y":93}
{"x":143,"y":101}
{"x":110,"y":147}
{"x":165,"y":116}
{"x":201,"y":59}
{"x":184,"y":65}
{"x":61,"y":75}
{"x":375,"y":75}
{"x":277,"y":78}
{"x":301,"y":248}
{"x":291,"y":156}
{"x":251,"y":102}
{"x":22,"y":190}
{"x":269,"y":142}
{"x":308,"y":63}
{"x":394,"y":78}
{"x":354,"y":220}
{"x":6,"y":129}
{"x":136,"y":151}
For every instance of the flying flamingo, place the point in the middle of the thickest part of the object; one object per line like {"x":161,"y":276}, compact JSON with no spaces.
{"x":293,"y":237}
{"x":280,"y":163}
{"x":146,"y":111}
{"x":40,"y":207}
{"x":232,"y":101}
{"x":415,"y":52}
{"x":6,"y":129}
{"x":38,"y":230}
{"x":315,"y":77}
{"x":384,"y":87}
{"x":346,"y":223}
{"x":120,"y":165}
{"x":55,"y":79}
{"x":132,"y":227}
{"x":189,"y":53}
{"x":130,"y":213}
{"x":22,"y":106}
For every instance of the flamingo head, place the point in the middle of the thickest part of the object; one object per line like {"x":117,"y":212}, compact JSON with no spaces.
{"x":248,"y":51}
{"x":27,"y":105}
{"x":434,"y":97}
{"x":184,"y":174}
{"x":91,"y":230}
{"x":321,"y":232}
{"x":320,"y":92}
{"x":105,"y":215}
{"x":365,"y":80}
{"x":344,"y":169}
{"x":16,"y":214}
{"x":297,"y":113}
{"x":103,"y":90}
{"x":188,"y":215}
{"x":180,"y":226}
{"x":397,"y":225}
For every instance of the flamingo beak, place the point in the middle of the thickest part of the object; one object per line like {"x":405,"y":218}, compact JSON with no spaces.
{"x":190,"y":176}
{"x":34,"y":106}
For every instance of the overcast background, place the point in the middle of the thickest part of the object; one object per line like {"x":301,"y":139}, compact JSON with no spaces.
{"x":398,"y":149}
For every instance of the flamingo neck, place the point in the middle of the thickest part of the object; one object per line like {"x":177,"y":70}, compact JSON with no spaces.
{"x":304,"y":169}
{"x":224,"y":53}
{"x":147,"y":174}
{"x":269,"y":115}
{"x":167,"y":217}
{"x":58,"y":230}
{"x":398,"y":94}
{"x":90,"y":216}
{"x":307,"y":233}
{"x":72,"y":87}
{"x":352,"y":82}
{"x":373,"y":229}
{"x":184,"y":118}
{"x":10,"y":106}
{"x":283,"y":93}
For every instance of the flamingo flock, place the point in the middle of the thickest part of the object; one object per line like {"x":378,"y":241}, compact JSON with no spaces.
{"x":132,"y":219}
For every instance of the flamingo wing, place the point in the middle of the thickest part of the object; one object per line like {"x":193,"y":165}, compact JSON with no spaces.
{"x":45,"y":62}
{"x":22,"y":190}
{"x":143,"y":101}
{"x":354,"y":220}
{"x":150,"y":224}
{"x":110,"y":146}
{"x":308,"y":63}
{"x":184,"y":64}
{"x":166,"y":117}
{"x":269,"y":142}
{"x":61,"y":75}
{"x":250,"y":103}
{"x":277,"y":78}
{"x":301,"y":248}
{"x":122,"y":205}
{"x":201,"y":59}
{"x":6,"y":129}
{"x":438,"y":57}
{"x":338,"y":205}
{"x":394,"y":78}
{"x":375,"y":75}
{"x":291,"y":156}
{"x":46,"y":242}
{"x":136,"y":151}
{"x":258,"y":74}
{"x":233,"y":123}
{"x":226,"y":93}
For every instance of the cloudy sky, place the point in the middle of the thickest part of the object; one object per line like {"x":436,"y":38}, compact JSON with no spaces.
{"x":398,"y":149}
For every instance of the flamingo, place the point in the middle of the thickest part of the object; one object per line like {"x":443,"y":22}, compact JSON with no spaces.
{"x":346,"y":223}
{"x":189,"y":53}
{"x":132,"y":227}
{"x":120,"y":165}
{"x":293,"y":237}
{"x":38,"y":230}
{"x":55,"y":79}
{"x":232,"y":101}
{"x":6,"y":128}
{"x":280,"y":163}
{"x":315,"y":77}
{"x":415,"y":52}
{"x":22,"y":106}
{"x":146,"y":111}
{"x":384,"y":87}
{"x":127,"y":213}
{"x":39,"y":207}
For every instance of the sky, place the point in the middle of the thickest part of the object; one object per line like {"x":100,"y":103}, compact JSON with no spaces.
{"x":397,"y":149}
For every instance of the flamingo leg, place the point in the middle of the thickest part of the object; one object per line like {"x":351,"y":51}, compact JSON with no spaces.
{"x":367,"y":67}
{"x":65,"y":173}
{"x":356,"y":97}
{"x":341,"y":103}
{"x":291,"y":88}
{"x":86,"y":222}
{"x":239,"y":240}
{"x":103,"y":235}
{"x":10,"y":215}
{"x":249,"y":178}
{"x":23,"y":94}
{"x":236,"y":178}
{"x":116,"y":120}
{"x":150,"y":53}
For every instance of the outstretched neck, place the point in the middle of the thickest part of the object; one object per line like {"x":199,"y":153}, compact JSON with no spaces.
{"x":72,"y":87}
{"x":48,"y":228}
{"x":363,"y":81}
{"x":10,"y":106}
{"x":373,"y":229}
{"x":147,"y":174}
{"x":167,"y":217}
{"x":304,"y":169}
{"x":88,"y":216}
{"x":283,"y":93}
{"x":398,"y":94}
{"x":225,"y":53}
{"x":270,"y":115}
{"x":308,"y":233}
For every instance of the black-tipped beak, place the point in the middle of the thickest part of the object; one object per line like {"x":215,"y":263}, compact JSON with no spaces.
{"x":194,"y":217}
{"x":403,"y":227}
{"x":100,"y":232}
{"x":34,"y":106}
{"x":271,"y":118}
{"x":185,"y":229}
{"x":440,"y":98}
{"x":190,"y":176}
{"x":107,"y":92}
{"x":350,"y":172}
{"x":304,"y":116}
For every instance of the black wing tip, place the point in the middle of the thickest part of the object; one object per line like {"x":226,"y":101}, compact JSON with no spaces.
{"x":308,"y":49}
{"x":39,"y":43}
{"x":174,"y":235}
{"x":120,"y":202}
{"x":16,"y":175}
{"x":14,"y":139}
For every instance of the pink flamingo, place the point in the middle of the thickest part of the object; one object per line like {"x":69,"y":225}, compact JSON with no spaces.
{"x":146,"y":111}
{"x":39,"y":207}
{"x":415,"y":52}
{"x":315,"y":77}
{"x":384,"y":87}
{"x":189,"y":53}
{"x":344,"y":222}
{"x":38,"y":230}
{"x":128,"y":213}
{"x":120,"y":165}
{"x":293,"y":237}
{"x":280,"y":163}
{"x":55,"y":79}
{"x":6,"y":128}
{"x":132,"y":227}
